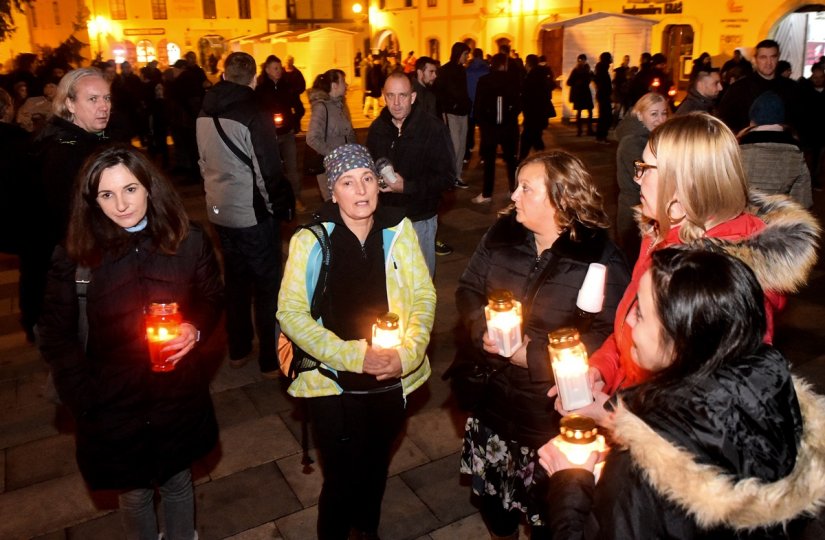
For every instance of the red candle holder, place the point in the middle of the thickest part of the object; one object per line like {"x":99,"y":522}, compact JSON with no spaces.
{"x":163,"y":322}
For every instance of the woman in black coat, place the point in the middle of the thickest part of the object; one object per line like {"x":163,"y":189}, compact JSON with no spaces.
{"x":580,"y":95}
{"x":721,"y":443}
{"x":559,"y":225}
{"x":137,"y":429}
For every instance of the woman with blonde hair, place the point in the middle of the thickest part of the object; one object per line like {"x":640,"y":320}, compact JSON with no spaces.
{"x":648,"y":113}
{"x":693,"y":192}
{"x":540,"y":253}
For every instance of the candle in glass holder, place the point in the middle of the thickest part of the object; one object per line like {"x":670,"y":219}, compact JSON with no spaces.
{"x":503,"y":314}
{"x":278,"y":118}
{"x":163,"y":322}
{"x":568,"y":359}
{"x":386,"y":332}
{"x":577,"y":438}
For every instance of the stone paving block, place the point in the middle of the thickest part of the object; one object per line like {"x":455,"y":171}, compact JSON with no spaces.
{"x":300,"y":525}
{"x":403,"y":515}
{"x":434,"y":432}
{"x":68,"y":501}
{"x":438,"y":485}
{"x":243,"y":501}
{"x":267,"y":531}
{"x":270,"y":397}
{"x":252,"y":443}
{"x":469,"y":527}
{"x":28,"y":424}
{"x":233,"y":407}
{"x":307,"y":487}
{"x":407,"y":456}
{"x":228,"y":377}
{"x":40,"y":460}
{"x":102,"y":528}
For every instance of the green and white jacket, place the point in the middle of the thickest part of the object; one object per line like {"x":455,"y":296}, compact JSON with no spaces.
{"x":410,"y":293}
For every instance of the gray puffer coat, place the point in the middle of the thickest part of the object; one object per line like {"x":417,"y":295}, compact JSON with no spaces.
{"x":332,"y":113}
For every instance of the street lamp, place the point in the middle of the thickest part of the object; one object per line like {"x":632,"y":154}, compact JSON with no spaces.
{"x":98,"y":26}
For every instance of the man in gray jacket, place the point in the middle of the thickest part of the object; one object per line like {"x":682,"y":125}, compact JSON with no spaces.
{"x":246,"y":196}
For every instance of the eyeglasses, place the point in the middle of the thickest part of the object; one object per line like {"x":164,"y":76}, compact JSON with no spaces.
{"x":640,"y":168}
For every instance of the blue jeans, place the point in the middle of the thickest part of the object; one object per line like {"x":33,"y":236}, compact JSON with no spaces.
{"x":426,"y":229}
{"x":137,"y":510}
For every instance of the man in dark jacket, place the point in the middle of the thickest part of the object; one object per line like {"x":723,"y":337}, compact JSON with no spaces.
{"x":425,"y":75}
{"x":246,"y":194}
{"x":702,"y":95}
{"x":497,"y":106}
{"x":477,"y":68}
{"x":418,"y":145}
{"x":454,"y":103}
{"x":538,"y":105}
{"x":734,"y":107}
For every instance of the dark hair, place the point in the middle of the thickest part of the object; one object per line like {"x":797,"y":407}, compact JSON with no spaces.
{"x":582,"y":56}
{"x":708,"y":321}
{"x":499,"y":61}
{"x":91,"y":232}
{"x":531,"y":60}
{"x":239,"y":68}
{"x":421,"y":63}
{"x":324,"y":81}
{"x":768,"y":44}
{"x":782,"y":66}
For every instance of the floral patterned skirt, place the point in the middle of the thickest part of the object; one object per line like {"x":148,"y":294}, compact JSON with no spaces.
{"x":500,"y":468}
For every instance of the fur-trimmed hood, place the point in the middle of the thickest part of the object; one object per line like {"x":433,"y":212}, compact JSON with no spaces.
{"x":712,"y":496}
{"x":784,"y":252}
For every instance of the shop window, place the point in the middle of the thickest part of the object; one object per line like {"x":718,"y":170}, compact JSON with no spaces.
{"x":209,"y":9}
{"x":145,"y":51}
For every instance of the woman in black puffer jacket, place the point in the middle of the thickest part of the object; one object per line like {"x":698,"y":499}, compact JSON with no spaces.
{"x":558,"y":221}
{"x":136,"y":429}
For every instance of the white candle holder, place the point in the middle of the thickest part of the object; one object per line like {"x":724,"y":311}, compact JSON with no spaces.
{"x":386,"y":332}
{"x":503,"y":315}
{"x":577,"y":438}
{"x":568,"y":359}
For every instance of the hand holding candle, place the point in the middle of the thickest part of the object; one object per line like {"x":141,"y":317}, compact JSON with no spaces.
{"x":168,"y":337}
{"x":568,"y":359}
{"x":578,"y":445}
{"x":386,"y":332}
{"x":503,"y":315}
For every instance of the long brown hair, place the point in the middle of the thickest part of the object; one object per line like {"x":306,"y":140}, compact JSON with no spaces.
{"x":91,"y":232}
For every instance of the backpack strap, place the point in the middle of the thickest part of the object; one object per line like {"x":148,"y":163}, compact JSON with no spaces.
{"x":82,"y":278}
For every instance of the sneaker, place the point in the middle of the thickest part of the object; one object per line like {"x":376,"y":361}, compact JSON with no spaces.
{"x":481,"y":199}
{"x":460,"y":184}
{"x":442,"y":249}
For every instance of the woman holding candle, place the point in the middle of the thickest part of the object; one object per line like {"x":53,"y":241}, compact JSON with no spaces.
{"x":137,"y":429}
{"x":557,"y":229}
{"x":357,"y":393}
{"x":721,"y":441}
{"x":693,"y":191}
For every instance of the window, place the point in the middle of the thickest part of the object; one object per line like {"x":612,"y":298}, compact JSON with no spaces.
{"x":159,"y":9}
{"x":209,"y":9}
{"x":117,"y":8}
{"x":408,"y":3}
{"x":56,"y":9}
{"x":432,"y":47}
{"x":244,"y":11}
{"x":34,"y":15}
{"x":173,"y":52}
{"x":469,"y":1}
{"x":145,"y":51}
{"x":432,"y":3}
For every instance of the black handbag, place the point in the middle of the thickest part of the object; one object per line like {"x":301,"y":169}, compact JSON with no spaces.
{"x":313,"y":161}
{"x":471,"y":371}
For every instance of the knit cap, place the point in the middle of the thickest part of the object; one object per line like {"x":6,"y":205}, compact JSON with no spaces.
{"x":767,"y":109}
{"x":346,"y":158}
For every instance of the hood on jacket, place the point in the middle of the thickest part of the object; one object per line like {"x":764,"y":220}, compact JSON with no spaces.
{"x":783,"y":254}
{"x":224,"y":95}
{"x":630,"y":125}
{"x":457,"y":50}
{"x":711,"y":495}
{"x":316,"y":94}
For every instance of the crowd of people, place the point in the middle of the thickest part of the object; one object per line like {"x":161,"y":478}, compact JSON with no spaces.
{"x":713,"y":228}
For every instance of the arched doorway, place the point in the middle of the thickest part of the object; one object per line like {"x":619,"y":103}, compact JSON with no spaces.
{"x":386,"y":43}
{"x":801,"y":38}
{"x":677,"y":45}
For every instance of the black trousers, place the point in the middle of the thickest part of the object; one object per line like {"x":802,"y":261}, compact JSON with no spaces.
{"x":354,"y":434}
{"x":605,"y":119}
{"x":252,"y":271}
{"x":532,"y":130}
{"x":491,"y":137}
